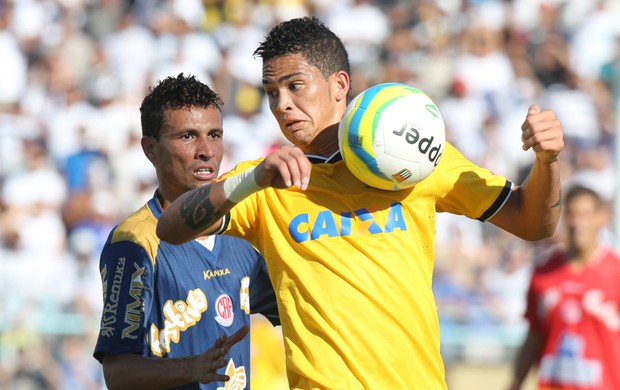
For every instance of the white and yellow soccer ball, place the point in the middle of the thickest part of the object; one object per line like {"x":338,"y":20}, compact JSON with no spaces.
{"x":391,"y":136}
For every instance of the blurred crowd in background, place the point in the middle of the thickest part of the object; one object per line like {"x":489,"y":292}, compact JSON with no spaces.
{"x":73,"y":74}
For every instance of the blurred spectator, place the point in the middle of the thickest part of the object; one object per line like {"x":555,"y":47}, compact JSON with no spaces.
{"x":363,"y":28}
{"x":130,"y":50}
{"x":250,"y":128}
{"x":592,"y":41}
{"x":33,"y":199}
{"x":14,"y":64}
{"x":610,"y":71}
{"x":575,"y":107}
{"x":609,"y":82}
{"x":466,"y":117}
{"x":77,"y":373}
{"x":507,"y":283}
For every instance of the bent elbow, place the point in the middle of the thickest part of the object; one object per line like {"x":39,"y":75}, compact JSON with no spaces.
{"x":543,"y":232}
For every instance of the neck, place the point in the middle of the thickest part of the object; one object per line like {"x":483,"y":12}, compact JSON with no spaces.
{"x":581,"y":256}
{"x":163,"y":201}
{"x":324,"y":144}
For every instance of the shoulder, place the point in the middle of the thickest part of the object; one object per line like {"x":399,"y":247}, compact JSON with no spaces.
{"x":554,"y":258}
{"x":139,"y":228}
{"x":450,"y":153}
{"x":455,"y":167}
{"x":611,"y":255}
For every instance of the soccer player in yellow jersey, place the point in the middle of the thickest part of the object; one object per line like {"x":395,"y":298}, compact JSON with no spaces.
{"x":352,"y":265}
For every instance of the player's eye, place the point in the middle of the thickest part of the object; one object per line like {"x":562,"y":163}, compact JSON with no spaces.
{"x":187,"y":136}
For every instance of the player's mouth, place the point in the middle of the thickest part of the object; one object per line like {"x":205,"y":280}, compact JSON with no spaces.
{"x":293,"y":125}
{"x":205,"y":173}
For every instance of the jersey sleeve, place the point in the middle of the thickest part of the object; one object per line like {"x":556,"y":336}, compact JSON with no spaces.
{"x":464,"y":188}
{"x":126,"y":275}
{"x":262,"y":295}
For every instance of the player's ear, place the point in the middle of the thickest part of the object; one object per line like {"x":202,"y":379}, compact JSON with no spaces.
{"x":149,"y":145}
{"x":342,"y":85}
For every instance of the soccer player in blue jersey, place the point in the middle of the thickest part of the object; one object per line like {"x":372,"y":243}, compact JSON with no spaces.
{"x":174,"y":315}
{"x":352,"y":266}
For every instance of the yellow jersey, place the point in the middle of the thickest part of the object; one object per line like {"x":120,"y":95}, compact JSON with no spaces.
{"x":352,"y":269}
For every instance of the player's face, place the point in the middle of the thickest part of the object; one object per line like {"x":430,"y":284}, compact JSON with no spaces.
{"x":189,"y":151}
{"x":584,"y":221}
{"x":302,"y":100}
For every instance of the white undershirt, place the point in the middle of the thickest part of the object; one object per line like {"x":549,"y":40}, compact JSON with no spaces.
{"x":208,"y":242}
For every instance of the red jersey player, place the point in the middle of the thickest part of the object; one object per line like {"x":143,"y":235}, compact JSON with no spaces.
{"x":573,"y":306}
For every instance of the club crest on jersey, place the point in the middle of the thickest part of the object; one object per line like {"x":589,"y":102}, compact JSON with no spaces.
{"x":224,"y":309}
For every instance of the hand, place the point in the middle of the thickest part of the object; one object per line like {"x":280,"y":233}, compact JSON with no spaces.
{"x":284,"y":168}
{"x":542,"y":132}
{"x":207,"y":364}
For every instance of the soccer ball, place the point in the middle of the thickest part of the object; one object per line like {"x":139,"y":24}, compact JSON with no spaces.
{"x":391,"y":136}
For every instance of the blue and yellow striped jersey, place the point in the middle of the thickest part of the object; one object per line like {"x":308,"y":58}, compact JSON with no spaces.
{"x":164,"y":300}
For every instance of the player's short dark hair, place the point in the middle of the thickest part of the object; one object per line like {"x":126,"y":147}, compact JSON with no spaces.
{"x":578,"y":190}
{"x":309,"y":37}
{"x":174,"y":93}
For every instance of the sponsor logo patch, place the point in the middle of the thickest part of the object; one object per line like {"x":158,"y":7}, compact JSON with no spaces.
{"x":180,"y":316}
{"x":110,"y":303}
{"x":135,"y":308}
{"x":212,"y":273}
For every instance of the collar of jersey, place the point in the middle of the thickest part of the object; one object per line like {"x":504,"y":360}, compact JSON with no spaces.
{"x":314,"y":159}
{"x":155,"y":206}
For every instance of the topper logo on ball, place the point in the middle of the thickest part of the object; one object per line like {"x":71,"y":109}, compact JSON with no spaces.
{"x":412,"y":136}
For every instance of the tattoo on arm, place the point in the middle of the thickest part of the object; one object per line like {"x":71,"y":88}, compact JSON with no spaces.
{"x":197,"y":210}
{"x":558,"y":203}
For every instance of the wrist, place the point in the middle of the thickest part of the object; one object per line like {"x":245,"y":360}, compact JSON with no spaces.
{"x":239,"y":187}
{"x":515,"y":385}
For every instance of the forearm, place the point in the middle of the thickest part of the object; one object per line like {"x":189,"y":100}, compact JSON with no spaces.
{"x":540,"y":198}
{"x":129,"y":371}
{"x":533,"y":209}
{"x":200,"y":211}
{"x":521,"y":369}
{"x":138,"y":372}
{"x":195,"y":213}
{"x":525,"y":359}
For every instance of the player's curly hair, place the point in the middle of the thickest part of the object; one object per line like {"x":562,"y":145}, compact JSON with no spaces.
{"x":311,"y":38}
{"x":173,"y":93}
